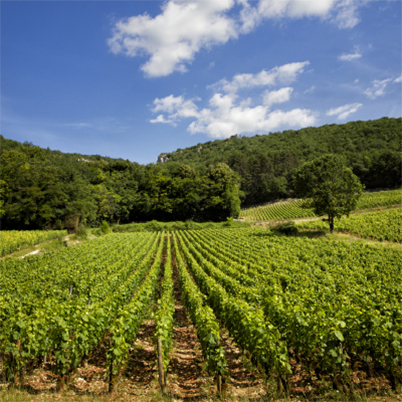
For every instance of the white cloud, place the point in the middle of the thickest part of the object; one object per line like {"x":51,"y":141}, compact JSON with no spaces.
{"x":295,"y":8}
{"x":346,"y":13}
{"x":227,"y":119}
{"x":279,"y":96}
{"x":284,"y":74}
{"x":184,"y":27}
{"x":397,"y":80}
{"x":377,"y":89}
{"x":344,"y":111}
{"x":341,"y":12}
{"x":226,"y":116}
{"x":173,"y":37}
{"x":176,"y":108}
{"x":350,"y":56}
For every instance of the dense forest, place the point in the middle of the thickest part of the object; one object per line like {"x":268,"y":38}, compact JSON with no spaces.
{"x":265,"y":163}
{"x":41,"y":188}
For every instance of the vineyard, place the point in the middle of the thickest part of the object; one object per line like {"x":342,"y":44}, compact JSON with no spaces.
{"x":291,"y":209}
{"x":329,"y":310}
{"x":380,"y":225}
{"x":14,"y":240}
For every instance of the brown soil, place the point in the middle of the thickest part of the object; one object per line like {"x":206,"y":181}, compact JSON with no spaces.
{"x":244,"y":381}
{"x":186,"y":378}
{"x":141,"y":372}
{"x":190,"y":381}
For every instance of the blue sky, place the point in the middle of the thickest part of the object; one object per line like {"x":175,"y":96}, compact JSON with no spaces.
{"x":133,"y":79}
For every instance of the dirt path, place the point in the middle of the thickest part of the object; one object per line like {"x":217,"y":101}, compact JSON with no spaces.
{"x":186,"y":378}
{"x":141,"y":372}
{"x":244,"y":380}
{"x":31,"y":253}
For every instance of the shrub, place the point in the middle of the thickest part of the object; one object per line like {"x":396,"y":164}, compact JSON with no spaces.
{"x":104,"y":227}
{"x":288,"y":228}
{"x":154,"y":226}
{"x":82,"y":232}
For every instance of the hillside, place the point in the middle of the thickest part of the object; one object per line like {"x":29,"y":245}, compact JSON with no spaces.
{"x":41,"y":188}
{"x":44,"y":189}
{"x":265,"y":162}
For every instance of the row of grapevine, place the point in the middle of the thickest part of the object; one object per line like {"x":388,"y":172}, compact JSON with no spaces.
{"x":69,"y":275}
{"x":277,"y":211}
{"x":330,"y":305}
{"x":71,"y":320}
{"x":13,"y":240}
{"x":164,"y":315}
{"x":124,"y":328}
{"x":380,"y":199}
{"x":334,"y":304}
{"x":380,"y":225}
{"x":246,"y":323}
{"x":202,"y":316}
{"x":292,"y":209}
{"x":83,"y":296}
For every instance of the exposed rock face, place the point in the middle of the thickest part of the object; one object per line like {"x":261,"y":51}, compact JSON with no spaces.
{"x":162,"y":158}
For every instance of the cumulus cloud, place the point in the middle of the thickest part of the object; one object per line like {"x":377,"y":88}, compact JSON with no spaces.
{"x":295,"y":8}
{"x":377,"y":89}
{"x":184,"y":27}
{"x":279,"y":96}
{"x":224,"y":118}
{"x":227,"y":113}
{"x":350,"y":56}
{"x":341,"y":12}
{"x":173,"y":37}
{"x":176,"y":108}
{"x":344,"y":111}
{"x":284,"y":74}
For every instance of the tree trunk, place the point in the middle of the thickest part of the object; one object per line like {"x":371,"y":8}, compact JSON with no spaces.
{"x":331,"y":223}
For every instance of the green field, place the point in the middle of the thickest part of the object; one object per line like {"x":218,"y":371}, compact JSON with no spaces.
{"x":13,"y":240}
{"x":291,"y":209}
{"x":291,"y":304}
{"x":380,"y":225}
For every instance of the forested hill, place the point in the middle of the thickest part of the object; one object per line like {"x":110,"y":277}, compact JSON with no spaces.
{"x":265,"y":162}
{"x":44,"y":189}
{"x":41,"y":188}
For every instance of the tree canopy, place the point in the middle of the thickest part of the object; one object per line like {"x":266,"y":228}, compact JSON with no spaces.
{"x":266,"y":163}
{"x":48,"y":189}
{"x":328,"y":186}
{"x":41,"y":188}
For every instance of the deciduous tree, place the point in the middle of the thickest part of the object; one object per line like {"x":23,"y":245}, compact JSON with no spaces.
{"x":329,"y":187}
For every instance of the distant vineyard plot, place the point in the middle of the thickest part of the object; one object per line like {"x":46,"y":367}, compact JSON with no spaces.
{"x":291,"y":303}
{"x":12,"y":240}
{"x":291,"y":209}
{"x":379,"y":225}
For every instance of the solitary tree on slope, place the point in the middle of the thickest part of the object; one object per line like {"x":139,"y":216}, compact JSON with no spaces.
{"x":329,"y":187}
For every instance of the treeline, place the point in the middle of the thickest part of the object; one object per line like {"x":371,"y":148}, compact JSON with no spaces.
{"x":265,"y":163}
{"x":44,"y":189}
